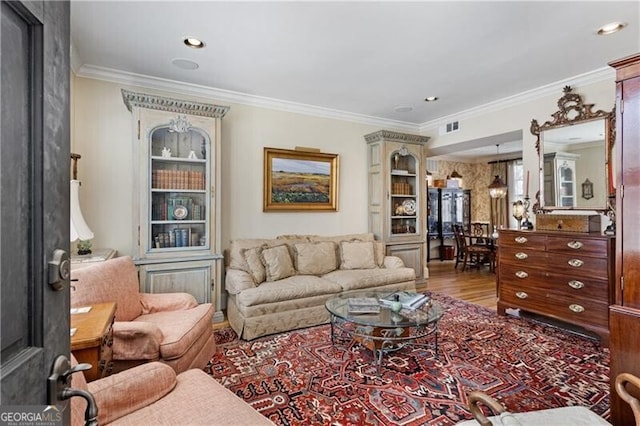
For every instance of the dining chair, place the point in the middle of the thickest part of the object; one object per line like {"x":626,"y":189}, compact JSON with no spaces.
{"x":472,"y":253}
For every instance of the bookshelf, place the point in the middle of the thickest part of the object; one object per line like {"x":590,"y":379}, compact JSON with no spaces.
{"x":397,"y":195}
{"x":177,"y":209}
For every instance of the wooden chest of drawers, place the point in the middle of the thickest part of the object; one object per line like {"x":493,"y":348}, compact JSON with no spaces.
{"x":560,"y":275}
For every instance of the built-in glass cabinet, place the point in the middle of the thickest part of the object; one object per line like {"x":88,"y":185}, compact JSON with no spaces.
{"x":396,"y":169}
{"x":176,"y":233}
{"x":179,"y":191}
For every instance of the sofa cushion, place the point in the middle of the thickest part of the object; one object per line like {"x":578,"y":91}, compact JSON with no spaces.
{"x":356,"y":279}
{"x":234,"y":256}
{"x":277,"y":263}
{"x":316,"y":258}
{"x":379,"y":253}
{"x":115,"y":280}
{"x":253,"y":258}
{"x":180,"y":329}
{"x":357,"y":255}
{"x":291,"y":288}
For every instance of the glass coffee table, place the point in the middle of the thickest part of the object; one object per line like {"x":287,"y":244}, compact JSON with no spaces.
{"x":385,"y":331}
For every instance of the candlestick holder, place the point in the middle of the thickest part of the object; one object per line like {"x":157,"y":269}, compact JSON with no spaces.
{"x":526,"y":223}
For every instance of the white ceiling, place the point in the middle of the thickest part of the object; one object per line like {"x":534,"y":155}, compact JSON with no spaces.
{"x":362,"y":58}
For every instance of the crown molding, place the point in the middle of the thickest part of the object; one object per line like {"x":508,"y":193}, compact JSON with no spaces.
{"x":181,"y":88}
{"x":162,"y":103}
{"x":381,"y":135}
{"x":145,"y":81}
{"x":591,"y":77}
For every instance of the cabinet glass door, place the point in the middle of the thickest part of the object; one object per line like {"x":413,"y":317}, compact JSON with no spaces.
{"x":179,"y":191}
{"x":404,"y":201}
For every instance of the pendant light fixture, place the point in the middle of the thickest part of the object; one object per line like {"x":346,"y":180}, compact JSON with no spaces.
{"x":497,"y":189}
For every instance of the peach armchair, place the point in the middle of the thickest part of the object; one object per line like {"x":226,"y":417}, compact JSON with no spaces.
{"x":152,"y":394}
{"x":171,"y":327}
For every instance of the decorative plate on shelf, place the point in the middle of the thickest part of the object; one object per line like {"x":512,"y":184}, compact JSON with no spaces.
{"x":409,"y":207}
{"x":180,"y":212}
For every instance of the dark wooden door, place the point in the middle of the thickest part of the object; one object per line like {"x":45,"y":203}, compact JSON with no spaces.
{"x":34,"y":189}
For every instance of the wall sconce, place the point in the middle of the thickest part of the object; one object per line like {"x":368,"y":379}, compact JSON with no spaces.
{"x":587,"y":189}
{"x":518,"y":212}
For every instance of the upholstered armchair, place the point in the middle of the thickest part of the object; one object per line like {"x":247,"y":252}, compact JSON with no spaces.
{"x":152,"y":394}
{"x":171,"y":327}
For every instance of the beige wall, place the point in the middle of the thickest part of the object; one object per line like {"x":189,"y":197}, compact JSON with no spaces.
{"x":102,"y":135}
{"x":103,"y":138}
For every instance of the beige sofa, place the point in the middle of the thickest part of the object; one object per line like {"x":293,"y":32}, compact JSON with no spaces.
{"x":281,"y":284}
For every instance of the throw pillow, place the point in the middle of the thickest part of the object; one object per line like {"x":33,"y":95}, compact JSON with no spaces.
{"x":379,"y":251}
{"x":277,"y":263}
{"x":357,"y":255}
{"x":315,"y":258}
{"x":256,"y":268}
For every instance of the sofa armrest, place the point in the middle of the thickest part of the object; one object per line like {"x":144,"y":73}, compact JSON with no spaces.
{"x":162,"y":302}
{"x":393,"y":262}
{"x":133,"y":340}
{"x":236,"y":280}
{"x":128,"y":391}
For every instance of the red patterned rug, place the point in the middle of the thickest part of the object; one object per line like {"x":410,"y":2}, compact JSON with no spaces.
{"x":300,"y":378}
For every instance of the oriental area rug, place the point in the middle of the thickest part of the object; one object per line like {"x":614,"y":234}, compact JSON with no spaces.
{"x":301,"y":378}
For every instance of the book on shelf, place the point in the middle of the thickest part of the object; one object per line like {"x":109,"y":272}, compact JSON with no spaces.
{"x":363,"y":305}
{"x":408,"y":299}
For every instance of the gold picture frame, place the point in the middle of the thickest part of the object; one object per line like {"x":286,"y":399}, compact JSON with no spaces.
{"x":296,"y":180}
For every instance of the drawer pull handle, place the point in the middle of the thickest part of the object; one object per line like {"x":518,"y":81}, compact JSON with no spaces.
{"x":521,"y":240}
{"x":576,"y":308}
{"x":522,"y":256}
{"x":521,"y":274}
{"x":576,"y":284}
{"x":575,"y":245}
{"x":521,"y":295}
{"x":576,"y":263}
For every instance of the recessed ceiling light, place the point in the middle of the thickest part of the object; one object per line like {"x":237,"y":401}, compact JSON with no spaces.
{"x":185,"y":64}
{"x":403,"y":108}
{"x":431,"y":98}
{"x":194,"y":43}
{"x":610,"y":28}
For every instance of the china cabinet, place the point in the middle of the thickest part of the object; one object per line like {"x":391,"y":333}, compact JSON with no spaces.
{"x":397,"y":189}
{"x":560,"y":179}
{"x":445,"y":208}
{"x":624,"y":314}
{"x":176,"y":197}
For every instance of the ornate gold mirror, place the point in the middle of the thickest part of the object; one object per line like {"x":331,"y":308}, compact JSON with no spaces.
{"x":574,"y":151}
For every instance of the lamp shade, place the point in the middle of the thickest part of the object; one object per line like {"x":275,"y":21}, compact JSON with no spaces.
{"x":79,"y":228}
{"x":497,"y":189}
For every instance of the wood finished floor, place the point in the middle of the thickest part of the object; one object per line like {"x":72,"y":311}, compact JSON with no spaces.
{"x":473,"y":285}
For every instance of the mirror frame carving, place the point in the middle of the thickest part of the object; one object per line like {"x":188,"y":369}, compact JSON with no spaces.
{"x":572,"y":110}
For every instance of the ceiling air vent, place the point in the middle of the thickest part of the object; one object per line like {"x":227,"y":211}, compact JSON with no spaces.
{"x":454,"y":126}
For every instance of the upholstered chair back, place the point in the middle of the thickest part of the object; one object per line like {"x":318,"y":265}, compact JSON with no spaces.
{"x":115,"y":280}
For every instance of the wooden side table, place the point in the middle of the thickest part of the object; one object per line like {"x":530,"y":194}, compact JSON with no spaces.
{"x":93,"y":339}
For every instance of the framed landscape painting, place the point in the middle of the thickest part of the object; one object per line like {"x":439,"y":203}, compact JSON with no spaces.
{"x":300,"y":181}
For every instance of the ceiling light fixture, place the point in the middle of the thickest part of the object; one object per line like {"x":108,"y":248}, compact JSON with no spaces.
{"x":431,"y":98}
{"x":610,"y":28}
{"x":497,"y":189}
{"x":194,"y":43}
